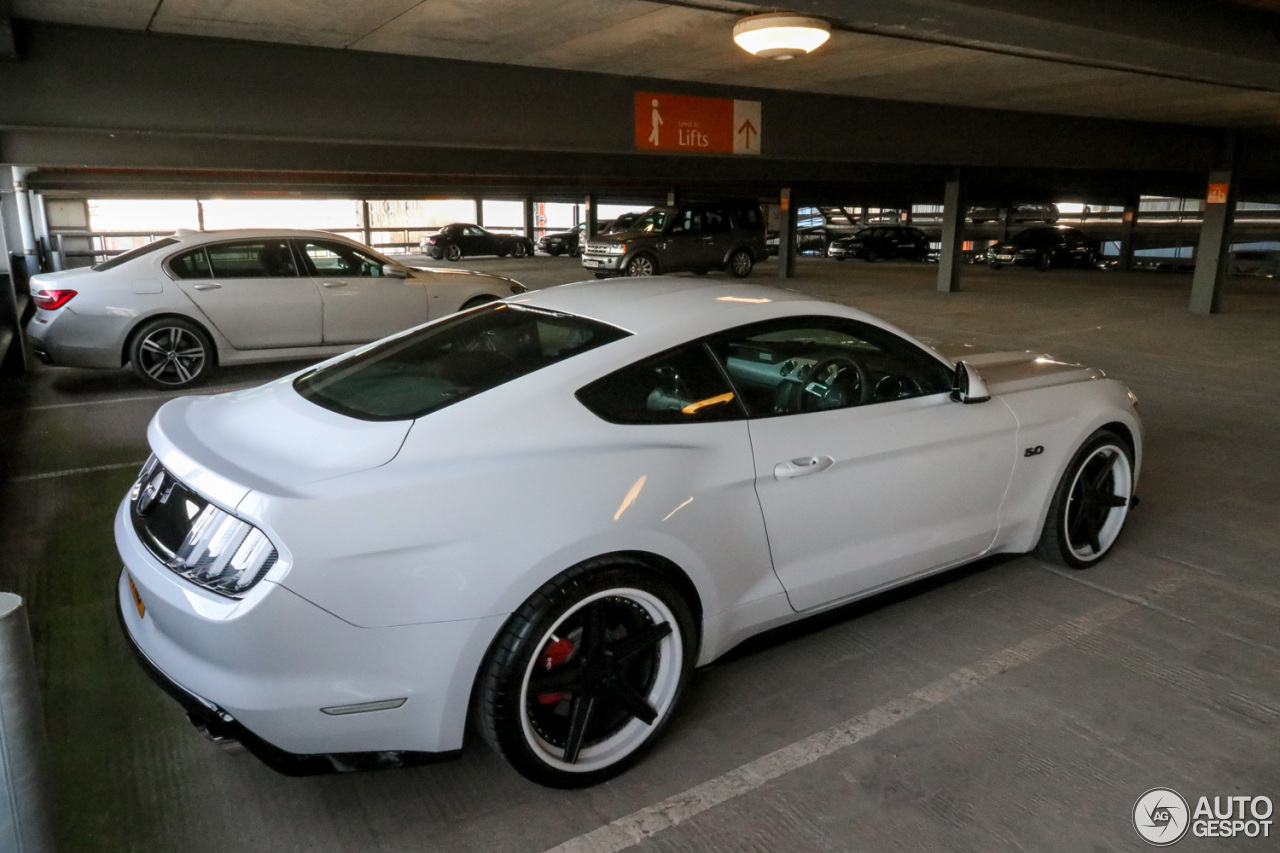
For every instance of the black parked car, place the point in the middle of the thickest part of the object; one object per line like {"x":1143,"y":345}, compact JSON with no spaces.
{"x":683,"y":238}
{"x":811,"y":238}
{"x":1047,"y":247}
{"x":460,"y":239}
{"x":882,"y":241}
{"x":563,"y":242}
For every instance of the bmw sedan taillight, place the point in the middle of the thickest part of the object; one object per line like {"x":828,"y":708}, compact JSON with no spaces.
{"x":51,"y":299}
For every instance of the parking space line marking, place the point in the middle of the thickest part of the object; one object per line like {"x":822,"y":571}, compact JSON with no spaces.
{"x":30,"y":478}
{"x":134,"y":399}
{"x":631,"y":829}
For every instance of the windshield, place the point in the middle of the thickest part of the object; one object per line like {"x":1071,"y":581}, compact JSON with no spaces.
{"x":417,"y":372}
{"x":134,"y":253}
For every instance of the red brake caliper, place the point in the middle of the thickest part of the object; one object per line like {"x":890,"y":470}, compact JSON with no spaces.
{"x":556,"y":653}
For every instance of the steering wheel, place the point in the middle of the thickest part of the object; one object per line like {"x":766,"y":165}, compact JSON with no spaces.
{"x":848,"y":385}
{"x":893,"y":387}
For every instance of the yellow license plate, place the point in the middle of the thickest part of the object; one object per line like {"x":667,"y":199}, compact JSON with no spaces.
{"x":137,"y":599}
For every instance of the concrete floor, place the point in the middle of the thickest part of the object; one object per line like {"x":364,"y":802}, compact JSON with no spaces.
{"x":1003,"y":706}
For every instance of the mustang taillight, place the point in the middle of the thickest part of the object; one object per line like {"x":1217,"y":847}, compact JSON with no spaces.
{"x":51,"y":299}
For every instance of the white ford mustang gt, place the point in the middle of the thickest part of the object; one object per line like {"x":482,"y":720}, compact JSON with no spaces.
{"x":178,"y":306}
{"x":545,"y":512}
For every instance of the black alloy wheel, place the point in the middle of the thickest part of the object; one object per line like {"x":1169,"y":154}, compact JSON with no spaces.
{"x":1044,"y":261}
{"x":584,"y":677}
{"x":519,"y":250}
{"x":1091,"y":503}
{"x":170,"y":352}
{"x":453,"y":252}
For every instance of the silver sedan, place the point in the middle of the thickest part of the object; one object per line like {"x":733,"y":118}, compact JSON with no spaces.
{"x":176,"y":308}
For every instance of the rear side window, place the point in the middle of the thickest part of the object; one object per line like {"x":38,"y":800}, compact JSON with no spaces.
{"x":421,"y":371}
{"x":193,"y":264}
{"x":252,"y":259}
{"x":134,"y":253}
{"x":681,"y":386}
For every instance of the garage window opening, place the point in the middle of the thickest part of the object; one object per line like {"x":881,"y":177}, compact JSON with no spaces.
{"x":418,"y":372}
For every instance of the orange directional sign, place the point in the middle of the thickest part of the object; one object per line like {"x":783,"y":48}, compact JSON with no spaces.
{"x":693,"y":125}
{"x":1218,"y":193}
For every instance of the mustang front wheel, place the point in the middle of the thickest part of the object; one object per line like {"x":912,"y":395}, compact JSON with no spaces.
{"x":1091,"y":503}
{"x":585,"y":675}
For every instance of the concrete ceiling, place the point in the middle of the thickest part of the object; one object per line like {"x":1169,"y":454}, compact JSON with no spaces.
{"x":1213,"y":64}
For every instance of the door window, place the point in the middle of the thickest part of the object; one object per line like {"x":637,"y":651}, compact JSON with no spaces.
{"x":808,"y":364}
{"x":193,"y":264}
{"x":686,"y":222}
{"x":252,"y":259}
{"x":331,"y":258}
{"x":681,"y":386}
{"x":715,"y":221}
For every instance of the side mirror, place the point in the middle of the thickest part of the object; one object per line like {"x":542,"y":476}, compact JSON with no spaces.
{"x":967,"y":386}
{"x":394,"y":271}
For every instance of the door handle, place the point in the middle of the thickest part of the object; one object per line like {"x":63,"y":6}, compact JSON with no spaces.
{"x":800,"y":467}
{"x":333,"y":284}
{"x":207,"y":286}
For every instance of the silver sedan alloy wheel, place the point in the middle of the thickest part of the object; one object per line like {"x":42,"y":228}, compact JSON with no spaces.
{"x":172,"y":355}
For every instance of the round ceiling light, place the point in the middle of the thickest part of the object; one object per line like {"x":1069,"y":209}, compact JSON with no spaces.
{"x":780,"y":35}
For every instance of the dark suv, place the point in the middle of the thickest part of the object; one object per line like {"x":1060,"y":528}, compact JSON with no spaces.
{"x":689,"y":237}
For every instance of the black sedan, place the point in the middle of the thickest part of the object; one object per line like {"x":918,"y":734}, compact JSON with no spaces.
{"x":563,"y":242}
{"x":882,"y":241}
{"x":1045,"y":248}
{"x":455,"y":241}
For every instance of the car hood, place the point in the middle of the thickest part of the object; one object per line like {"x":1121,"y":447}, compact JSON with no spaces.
{"x":266,"y":439}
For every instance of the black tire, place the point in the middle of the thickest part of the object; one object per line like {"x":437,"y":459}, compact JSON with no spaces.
{"x":872,"y":256}
{"x":453,"y":252}
{"x":1091,"y":260}
{"x":641,"y":265}
{"x":1044,"y":262}
{"x":597,"y":642}
{"x":740,"y":263}
{"x":503,"y":253}
{"x":554,"y":252}
{"x":1091,"y":503}
{"x":519,"y":250}
{"x":171,"y":353}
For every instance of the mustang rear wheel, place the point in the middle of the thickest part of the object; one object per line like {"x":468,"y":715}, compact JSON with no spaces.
{"x":585,"y":675}
{"x":454,"y":252}
{"x":1091,"y":503}
{"x":170,"y":352}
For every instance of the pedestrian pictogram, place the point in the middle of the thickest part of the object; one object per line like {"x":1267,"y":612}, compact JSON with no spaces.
{"x":689,"y":124}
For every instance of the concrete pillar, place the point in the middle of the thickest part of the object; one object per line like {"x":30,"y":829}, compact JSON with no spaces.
{"x":529,"y":225}
{"x":951,"y":252}
{"x":671,"y":197}
{"x":1214,"y":245}
{"x":200,"y":214}
{"x":480,"y":212}
{"x":593,"y":217}
{"x":786,"y":235}
{"x":26,"y":231}
{"x":26,"y":824}
{"x":364,"y":222}
{"x":1126,"y":233}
